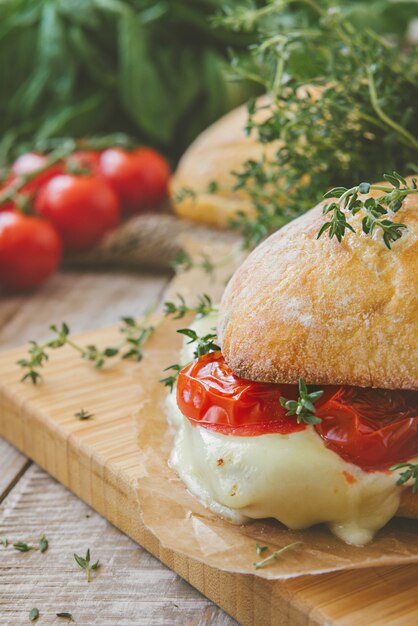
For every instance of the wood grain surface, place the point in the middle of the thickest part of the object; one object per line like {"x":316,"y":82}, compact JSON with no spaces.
{"x":132,"y":587}
{"x":101,"y":462}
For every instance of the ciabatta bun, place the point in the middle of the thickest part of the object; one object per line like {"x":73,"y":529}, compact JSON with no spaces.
{"x":329,"y":312}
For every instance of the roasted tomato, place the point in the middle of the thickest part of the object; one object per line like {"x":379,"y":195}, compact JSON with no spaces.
{"x":372,"y":428}
{"x":82,"y":208}
{"x":210,"y":394}
{"x":30,"y":251}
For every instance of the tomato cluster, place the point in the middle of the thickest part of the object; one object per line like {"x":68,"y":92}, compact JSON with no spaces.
{"x":69,"y":205}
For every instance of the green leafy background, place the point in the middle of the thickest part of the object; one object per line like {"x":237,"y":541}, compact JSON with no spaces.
{"x":155,"y":70}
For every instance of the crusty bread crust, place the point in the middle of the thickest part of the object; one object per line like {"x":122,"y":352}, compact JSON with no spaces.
{"x":330,"y":312}
{"x":220,"y":150}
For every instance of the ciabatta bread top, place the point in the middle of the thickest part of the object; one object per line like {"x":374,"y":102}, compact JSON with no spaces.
{"x":329,"y":312}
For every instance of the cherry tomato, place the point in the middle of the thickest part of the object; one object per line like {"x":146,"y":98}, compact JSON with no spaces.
{"x":140,"y":178}
{"x":82,"y":208}
{"x":25,"y":164}
{"x":372,"y":428}
{"x":30,"y":251}
{"x":210,"y":394}
{"x":31,"y":161}
{"x":88,"y":160}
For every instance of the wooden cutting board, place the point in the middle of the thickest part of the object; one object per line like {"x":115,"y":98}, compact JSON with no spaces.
{"x":98,"y":460}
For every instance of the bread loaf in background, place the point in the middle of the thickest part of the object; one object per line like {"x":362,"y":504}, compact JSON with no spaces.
{"x":220,"y":150}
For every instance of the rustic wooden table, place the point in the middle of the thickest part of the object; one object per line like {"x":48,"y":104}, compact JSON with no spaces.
{"x":131,"y":587}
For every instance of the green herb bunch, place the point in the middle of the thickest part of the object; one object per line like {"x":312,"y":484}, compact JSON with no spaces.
{"x":153,"y":69}
{"x":343,"y":86}
{"x":376,"y":211}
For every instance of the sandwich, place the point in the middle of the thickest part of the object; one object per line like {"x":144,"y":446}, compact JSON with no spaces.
{"x":308,"y":411}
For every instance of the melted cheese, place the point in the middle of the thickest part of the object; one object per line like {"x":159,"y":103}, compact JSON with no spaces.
{"x":293,"y":478}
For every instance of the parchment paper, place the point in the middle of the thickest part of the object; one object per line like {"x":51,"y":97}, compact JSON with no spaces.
{"x":182,"y":524}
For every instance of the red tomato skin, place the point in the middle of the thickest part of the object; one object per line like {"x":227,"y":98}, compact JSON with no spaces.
{"x":372,"y":428}
{"x":85,"y":159}
{"x":25,"y":164}
{"x":210,"y":395}
{"x":82,"y":208}
{"x":30,"y":251}
{"x":140,"y":178}
{"x":31,"y":161}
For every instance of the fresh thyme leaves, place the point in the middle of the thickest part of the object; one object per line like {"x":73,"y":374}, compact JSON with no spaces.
{"x":33,"y":614}
{"x":203,"y":308}
{"x":4,"y":542}
{"x":170,"y":381}
{"x":213,"y":186}
{"x":259,"y":179}
{"x":303,"y":407}
{"x":84,"y":563}
{"x":410,"y":472}
{"x":43,"y":544}
{"x":204,"y":344}
{"x":82,"y":414}
{"x":134,"y":336}
{"x":182,"y":261}
{"x":184,"y":193}
{"x":375,"y":210}
{"x":65,"y":615}
{"x":21,"y":546}
{"x":260,"y":549}
{"x":342,"y":102}
{"x":275,"y":555}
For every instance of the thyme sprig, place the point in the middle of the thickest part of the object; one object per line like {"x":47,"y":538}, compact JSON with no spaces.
{"x":183,"y":262}
{"x":178,"y":310}
{"x":410,"y":473}
{"x":134,"y":336}
{"x":85,"y":564}
{"x":22,"y":546}
{"x":275,"y":555}
{"x":82,"y":415}
{"x":342,"y":104}
{"x":204,"y":345}
{"x":303,"y":407}
{"x":375,"y":210}
{"x":170,"y":381}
